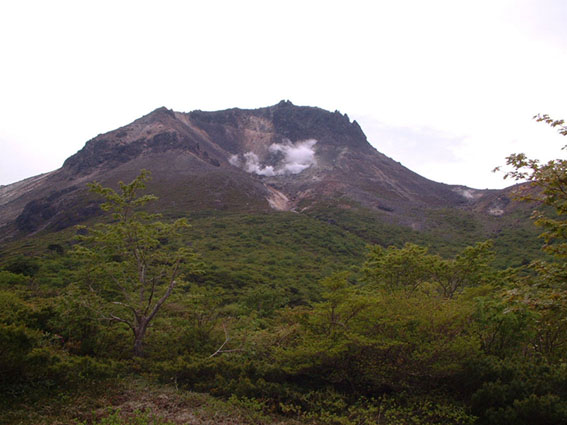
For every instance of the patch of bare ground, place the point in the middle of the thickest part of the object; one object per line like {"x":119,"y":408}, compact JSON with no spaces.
{"x":278,"y":200}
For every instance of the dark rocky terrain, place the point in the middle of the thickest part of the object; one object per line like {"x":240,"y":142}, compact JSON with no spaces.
{"x":283,"y":157}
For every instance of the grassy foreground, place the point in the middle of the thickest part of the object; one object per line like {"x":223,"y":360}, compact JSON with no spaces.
{"x":133,"y":401}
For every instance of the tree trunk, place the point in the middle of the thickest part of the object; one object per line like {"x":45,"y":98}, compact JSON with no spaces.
{"x":139,"y":334}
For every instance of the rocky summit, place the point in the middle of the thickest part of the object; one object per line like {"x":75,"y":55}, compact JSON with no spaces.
{"x":282,"y":157}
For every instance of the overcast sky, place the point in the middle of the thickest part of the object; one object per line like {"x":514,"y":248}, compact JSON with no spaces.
{"x":447,"y":88}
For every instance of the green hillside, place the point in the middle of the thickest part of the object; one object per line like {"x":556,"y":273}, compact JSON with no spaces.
{"x":288,"y":314}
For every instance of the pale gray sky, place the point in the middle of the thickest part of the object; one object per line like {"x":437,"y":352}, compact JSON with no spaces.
{"x":448,"y":88}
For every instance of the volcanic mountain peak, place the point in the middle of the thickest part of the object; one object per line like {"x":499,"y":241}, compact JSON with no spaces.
{"x":278,"y":157}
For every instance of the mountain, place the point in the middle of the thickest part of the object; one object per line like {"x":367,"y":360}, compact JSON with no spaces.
{"x":284,"y":157}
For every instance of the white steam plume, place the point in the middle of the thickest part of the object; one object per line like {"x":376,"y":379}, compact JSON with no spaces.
{"x":296,"y":158}
{"x":252,"y":165}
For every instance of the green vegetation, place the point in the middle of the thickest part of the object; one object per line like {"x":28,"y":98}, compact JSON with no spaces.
{"x":126,"y":262}
{"x":285,"y":318}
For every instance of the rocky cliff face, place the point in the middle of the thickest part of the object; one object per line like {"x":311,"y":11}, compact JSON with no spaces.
{"x":282,"y":157}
